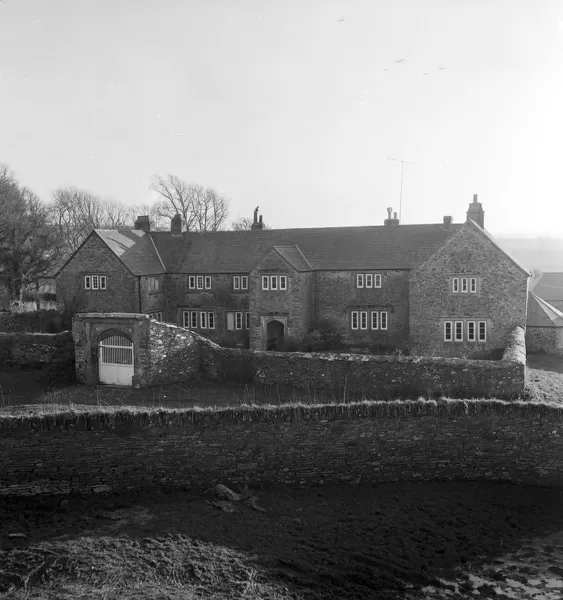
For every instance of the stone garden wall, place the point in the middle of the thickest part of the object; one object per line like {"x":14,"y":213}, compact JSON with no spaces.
{"x":365,"y":442}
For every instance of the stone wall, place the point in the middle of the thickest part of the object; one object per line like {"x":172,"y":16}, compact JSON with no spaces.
{"x":367,"y":442}
{"x":36,"y":349}
{"x":173,"y":354}
{"x":501,"y":298}
{"x":375,"y":377}
{"x":544,"y":339}
{"x":38,"y":321}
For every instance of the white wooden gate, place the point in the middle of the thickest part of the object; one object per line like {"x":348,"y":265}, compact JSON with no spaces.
{"x":116,"y":361}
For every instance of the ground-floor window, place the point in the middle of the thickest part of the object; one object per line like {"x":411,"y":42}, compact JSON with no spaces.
{"x":198,"y":319}
{"x":364,"y":319}
{"x":472,"y":331}
{"x":237,"y":320}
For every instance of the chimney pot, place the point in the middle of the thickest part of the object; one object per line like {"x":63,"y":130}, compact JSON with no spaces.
{"x":474,"y":197}
{"x":476,"y":212}
{"x":394,"y":215}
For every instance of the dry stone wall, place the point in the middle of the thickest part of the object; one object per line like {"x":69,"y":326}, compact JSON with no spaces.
{"x":366,"y":442}
{"x":36,"y":349}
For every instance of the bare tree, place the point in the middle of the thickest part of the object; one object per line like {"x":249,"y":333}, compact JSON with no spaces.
{"x":201,"y":208}
{"x":75,"y":213}
{"x":29,"y":247}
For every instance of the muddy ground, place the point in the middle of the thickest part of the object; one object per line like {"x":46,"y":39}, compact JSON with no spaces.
{"x":395,"y":540}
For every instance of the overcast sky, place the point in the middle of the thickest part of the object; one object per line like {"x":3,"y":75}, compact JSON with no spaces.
{"x":293,"y":105}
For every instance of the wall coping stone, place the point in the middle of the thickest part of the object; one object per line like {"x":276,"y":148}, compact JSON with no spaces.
{"x":111,"y":316}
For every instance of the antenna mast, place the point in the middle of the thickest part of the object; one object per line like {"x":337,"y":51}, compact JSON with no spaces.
{"x":402,"y":173}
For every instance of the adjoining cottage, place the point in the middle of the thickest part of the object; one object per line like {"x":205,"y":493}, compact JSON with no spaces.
{"x":444,"y":289}
{"x":544,"y":330}
{"x":549,"y":287}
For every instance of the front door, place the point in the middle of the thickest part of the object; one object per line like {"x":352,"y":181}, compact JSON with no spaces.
{"x":116,"y":361}
{"x":274,"y":335}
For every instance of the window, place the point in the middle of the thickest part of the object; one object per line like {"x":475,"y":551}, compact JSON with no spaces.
{"x":360,"y":280}
{"x":203,"y":319}
{"x":369,"y":280}
{"x":265,"y":282}
{"x":383,"y":320}
{"x":273,"y":282}
{"x":236,"y":282}
{"x":448,"y":337}
{"x":379,"y":319}
{"x":244,"y":282}
{"x":153,"y":284}
{"x":247,"y":320}
{"x":207,"y":282}
{"x":363,"y":319}
{"x":471,"y":333}
{"x":482,"y":331}
{"x":191,"y":282}
{"x":157,"y":316}
{"x":459,"y":331}
{"x":377,"y":283}
{"x":464,"y":285}
{"x":238,"y":320}
{"x":354,"y":319}
{"x":200,"y":282}
{"x":283,"y":282}
{"x":95,"y":282}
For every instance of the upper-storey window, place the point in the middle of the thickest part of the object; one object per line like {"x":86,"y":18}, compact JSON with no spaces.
{"x":274,"y":282}
{"x":368,"y":280}
{"x":95,"y":282}
{"x":240,"y":282}
{"x":153,"y":284}
{"x":464,"y":285}
{"x":199,"y":282}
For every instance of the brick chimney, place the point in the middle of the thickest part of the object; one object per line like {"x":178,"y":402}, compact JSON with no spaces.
{"x":447,"y":222}
{"x":176,"y":225}
{"x":143,"y":223}
{"x":257,"y":224}
{"x":476,"y":212}
{"x":389,"y":220}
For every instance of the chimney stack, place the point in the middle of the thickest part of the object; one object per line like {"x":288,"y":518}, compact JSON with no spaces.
{"x":257,"y":224}
{"x":389,"y":220}
{"x":447,"y":222}
{"x":476,"y":212}
{"x":176,"y":225}
{"x":143,"y":223}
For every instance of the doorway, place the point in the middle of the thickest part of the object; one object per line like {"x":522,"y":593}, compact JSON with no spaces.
{"x":116,"y":361}
{"x":274,"y":335}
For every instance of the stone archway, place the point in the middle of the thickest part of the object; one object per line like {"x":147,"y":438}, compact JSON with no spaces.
{"x":275,"y":331}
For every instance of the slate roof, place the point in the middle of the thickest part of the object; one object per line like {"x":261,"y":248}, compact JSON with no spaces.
{"x":550,"y":286}
{"x":294,"y":256}
{"x":135,"y":249}
{"x":542,"y":314}
{"x":328,"y":248}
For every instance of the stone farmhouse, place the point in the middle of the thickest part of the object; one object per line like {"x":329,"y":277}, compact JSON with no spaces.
{"x":442,"y":289}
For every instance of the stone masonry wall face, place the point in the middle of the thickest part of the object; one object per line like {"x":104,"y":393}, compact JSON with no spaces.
{"x":293,"y":446}
{"x":501,"y":299}
{"x":336,"y":295}
{"x":95,"y":257}
{"x":222,"y":298}
{"x":173,"y":354}
{"x":295,"y":303}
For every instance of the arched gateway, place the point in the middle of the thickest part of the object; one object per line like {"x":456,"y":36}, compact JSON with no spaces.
{"x":115,"y":359}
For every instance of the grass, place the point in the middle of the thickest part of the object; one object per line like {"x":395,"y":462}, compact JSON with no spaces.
{"x":545,"y":378}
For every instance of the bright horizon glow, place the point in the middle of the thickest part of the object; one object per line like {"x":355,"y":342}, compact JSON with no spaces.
{"x":293,"y":106}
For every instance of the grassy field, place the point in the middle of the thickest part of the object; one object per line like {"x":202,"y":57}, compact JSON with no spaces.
{"x":545,"y":377}
{"x":356,"y":542}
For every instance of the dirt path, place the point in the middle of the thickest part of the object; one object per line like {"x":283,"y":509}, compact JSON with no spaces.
{"x":359,"y":542}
